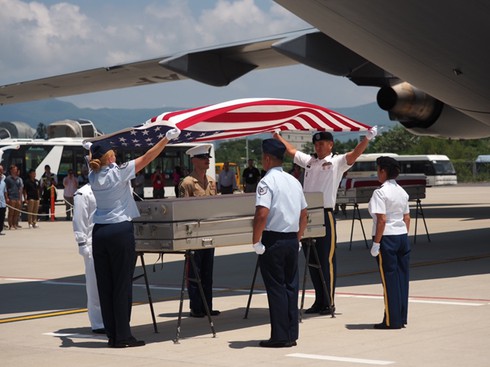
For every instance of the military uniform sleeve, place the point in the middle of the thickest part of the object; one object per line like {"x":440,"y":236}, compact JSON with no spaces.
{"x":81,"y":215}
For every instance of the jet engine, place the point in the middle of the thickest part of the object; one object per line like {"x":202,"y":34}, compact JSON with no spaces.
{"x":422,"y":114}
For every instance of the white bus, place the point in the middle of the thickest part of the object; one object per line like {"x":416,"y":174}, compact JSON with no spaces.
{"x":62,"y":154}
{"x":437,"y":168}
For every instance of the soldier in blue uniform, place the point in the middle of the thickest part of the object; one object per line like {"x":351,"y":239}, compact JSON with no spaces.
{"x":113,"y":237}
{"x":391,"y":221}
{"x":279,"y":224}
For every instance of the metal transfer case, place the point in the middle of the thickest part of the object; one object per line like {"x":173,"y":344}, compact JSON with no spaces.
{"x":179,"y":224}
{"x":357,"y":190}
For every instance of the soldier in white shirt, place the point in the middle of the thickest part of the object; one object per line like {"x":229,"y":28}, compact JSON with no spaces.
{"x":391,"y":221}
{"x":83,"y":213}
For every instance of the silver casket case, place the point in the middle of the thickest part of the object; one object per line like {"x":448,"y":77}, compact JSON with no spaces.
{"x":179,"y":224}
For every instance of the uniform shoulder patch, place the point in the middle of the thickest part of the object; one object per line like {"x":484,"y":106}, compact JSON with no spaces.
{"x":124,"y":165}
{"x":262,"y":190}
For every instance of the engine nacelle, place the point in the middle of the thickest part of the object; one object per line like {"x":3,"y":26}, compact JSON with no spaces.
{"x":422,"y":114}
{"x":406,"y":103}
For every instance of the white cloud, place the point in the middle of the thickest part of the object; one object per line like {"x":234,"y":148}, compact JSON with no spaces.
{"x":44,"y":40}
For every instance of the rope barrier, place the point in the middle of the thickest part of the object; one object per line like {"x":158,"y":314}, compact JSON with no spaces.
{"x":64,"y":202}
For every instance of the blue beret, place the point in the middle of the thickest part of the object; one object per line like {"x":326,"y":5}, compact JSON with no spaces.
{"x":99,"y":148}
{"x":322,"y":135}
{"x":273,"y":147}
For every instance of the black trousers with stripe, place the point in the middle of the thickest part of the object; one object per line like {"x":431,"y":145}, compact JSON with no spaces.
{"x":325,"y":246}
{"x":393,"y":261}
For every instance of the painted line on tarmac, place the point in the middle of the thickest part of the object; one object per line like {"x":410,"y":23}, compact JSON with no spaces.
{"x":412,"y":300}
{"x":42,"y":315}
{"x":340,"y":359}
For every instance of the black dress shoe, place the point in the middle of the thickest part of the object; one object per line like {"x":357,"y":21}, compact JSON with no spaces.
{"x":129,"y":343}
{"x":313,"y":309}
{"x":383,"y":326}
{"x":215,"y":312}
{"x":276,"y":344}
{"x":325,"y":311}
{"x":98,"y":331}
{"x":110,"y":343}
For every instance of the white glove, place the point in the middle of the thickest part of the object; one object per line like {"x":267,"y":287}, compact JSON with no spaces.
{"x":85,"y":250}
{"x":259,"y":248}
{"x":372,"y":132}
{"x":87,"y":144}
{"x":375,"y":249}
{"x":172,"y":134}
{"x":300,"y":246}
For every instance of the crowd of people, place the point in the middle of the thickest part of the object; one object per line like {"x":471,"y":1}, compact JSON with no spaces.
{"x":104,"y":205}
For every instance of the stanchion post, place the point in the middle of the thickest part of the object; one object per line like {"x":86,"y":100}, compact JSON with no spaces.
{"x":52,"y":199}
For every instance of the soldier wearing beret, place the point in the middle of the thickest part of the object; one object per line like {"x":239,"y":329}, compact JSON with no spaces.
{"x":323,"y":173}
{"x":279,"y":224}
{"x":391,"y":221}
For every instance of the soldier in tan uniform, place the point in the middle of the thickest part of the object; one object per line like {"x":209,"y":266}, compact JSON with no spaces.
{"x":198,"y":183}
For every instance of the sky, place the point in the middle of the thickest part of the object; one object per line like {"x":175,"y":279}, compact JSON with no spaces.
{"x":50,"y":37}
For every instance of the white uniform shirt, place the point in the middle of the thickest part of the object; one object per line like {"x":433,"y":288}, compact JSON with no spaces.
{"x":322,"y":175}
{"x":282,"y":194}
{"x":113,"y":193}
{"x":392,"y":200}
{"x":83,"y":214}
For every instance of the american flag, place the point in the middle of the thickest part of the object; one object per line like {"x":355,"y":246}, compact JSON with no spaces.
{"x":234,"y":119}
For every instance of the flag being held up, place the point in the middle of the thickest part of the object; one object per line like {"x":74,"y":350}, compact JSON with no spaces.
{"x":234,"y":119}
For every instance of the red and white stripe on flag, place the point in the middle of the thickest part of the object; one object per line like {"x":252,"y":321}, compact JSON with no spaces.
{"x":234,"y":119}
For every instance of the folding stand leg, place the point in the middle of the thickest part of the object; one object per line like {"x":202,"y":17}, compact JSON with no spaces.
{"x":252,"y":288}
{"x":307,"y":245}
{"x":326,"y":287}
{"x":356,"y":214}
{"x":181,"y":303}
{"x":148,"y":292}
{"x":418,"y":209}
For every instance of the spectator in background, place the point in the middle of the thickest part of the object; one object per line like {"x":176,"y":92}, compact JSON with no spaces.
{"x":177,"y":176}
{"x":14,"y":196}
{"x":31,"y":196}
{"x":48,"y":179}
{"x":70,"y":185}
{"x":3,"y":203}
{"x":138,"y":184}
{"x":227,"y":180}
{"x":158,"y":182}
{"x":251,"y":177}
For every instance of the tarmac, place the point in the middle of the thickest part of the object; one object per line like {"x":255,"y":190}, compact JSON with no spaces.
{"x":43,"y":320}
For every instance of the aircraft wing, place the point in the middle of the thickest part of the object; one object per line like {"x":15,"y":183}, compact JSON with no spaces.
{"x":214,"y":66}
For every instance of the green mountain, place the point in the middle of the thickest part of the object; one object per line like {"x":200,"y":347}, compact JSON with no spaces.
{"x":109,"y":120}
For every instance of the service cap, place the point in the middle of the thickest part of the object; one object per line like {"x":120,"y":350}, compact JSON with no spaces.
{"x":387,"y":162}
{"x":99,"y":148}
{"x":200,"y":151}
{"x":322,"y":135}
{"x":274,"y":147}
